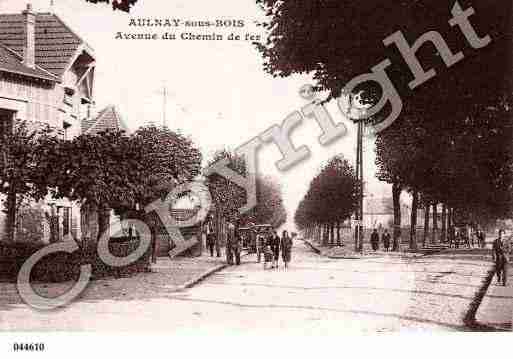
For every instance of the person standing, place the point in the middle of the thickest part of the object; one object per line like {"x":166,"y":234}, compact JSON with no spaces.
{"x":275,"y":248}
{"x":230,"y":243}
{"x":210,"y":238}
{"x":261,"y":242}
{"x":482,"y":239}
{"x":286,"y":248}
{"x":258,"y":247}
{"x":501,"y":251}
{"x":375,"y":240}
{"x":385,"y":238}
{"x":237,"y":245}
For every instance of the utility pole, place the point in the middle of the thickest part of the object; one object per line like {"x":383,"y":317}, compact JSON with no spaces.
{"x":164,"y":106}
{"x":359,"y":176}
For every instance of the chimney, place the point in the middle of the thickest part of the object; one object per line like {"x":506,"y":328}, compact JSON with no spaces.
{"x":29,"y":45}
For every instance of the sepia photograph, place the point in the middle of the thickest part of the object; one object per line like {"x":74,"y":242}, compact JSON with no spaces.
{"x":255,"y":174}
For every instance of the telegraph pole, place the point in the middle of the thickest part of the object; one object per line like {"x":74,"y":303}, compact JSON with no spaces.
{"x":164,"y":106}
{"x":359,"y":177}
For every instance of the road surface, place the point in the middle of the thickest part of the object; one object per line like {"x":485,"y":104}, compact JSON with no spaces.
{"x":316,"y":295}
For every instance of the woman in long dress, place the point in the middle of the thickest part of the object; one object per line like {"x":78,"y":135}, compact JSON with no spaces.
{"x":275,"y":247}
{"x":286,"y":248}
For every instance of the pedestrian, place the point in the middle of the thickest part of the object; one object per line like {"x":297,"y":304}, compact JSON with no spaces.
{"x":210,"y":238}
{"x":286,"y":248}
{"x":233,"y":245}
{"x":452,"y":237}
{"x":375,"y":240}
{"x":482,"y":239}
{"x":275,"y":248}
{"x":260,"y":243}
{"x":385,"y":238}
{"x":237,"y":245}
{"x":501,"y":251}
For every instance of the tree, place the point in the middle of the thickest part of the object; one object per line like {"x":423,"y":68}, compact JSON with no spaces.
{"x":163,"y":160}
{"x":331,"y":198}
{"x":454,"y":133}
{"x":123,"y":5}
{"x":228,"y":198}
{"x":24,"y":169}
{"x":269,"y":207}
{"x":96,"y":171}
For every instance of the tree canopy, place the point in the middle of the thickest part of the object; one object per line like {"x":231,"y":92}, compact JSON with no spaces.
{"x":269,"y":208}
{"x":452,"y":141}
{"x":228,"y":197}
{"x":24,"y":167}
{"x":123,"y":5}
{"x":331,"y":197}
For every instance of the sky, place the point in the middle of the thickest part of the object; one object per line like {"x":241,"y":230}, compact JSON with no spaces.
{"x":218,"y":92}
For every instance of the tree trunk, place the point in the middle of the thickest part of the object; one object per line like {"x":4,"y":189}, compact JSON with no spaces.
{"x":449,"y":219}
{"x":413,"y":225}
{"x":218,"y":234}
{"x":153,"y":233}
{"x":103,"y":222}
{"x":325,"y":235}
{"x":435,"y":223}
{"x":427,"y":207}
{"x":396,"y":196}
{"x":332,"y":234}
{"x":200,"y":238}
{"x":10,"y":220}
{"x":450,"y":224}
{"x":444,"y":223}
{"x":338,"y":233}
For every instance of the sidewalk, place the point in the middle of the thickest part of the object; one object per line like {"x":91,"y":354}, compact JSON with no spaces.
{"x":496,"y":309}
{"x":184,"y":272}
{"x":166,"y":276}
{"x":347,"y":251}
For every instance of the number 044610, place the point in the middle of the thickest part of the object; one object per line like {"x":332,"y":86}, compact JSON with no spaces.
{"x":28,"y":347}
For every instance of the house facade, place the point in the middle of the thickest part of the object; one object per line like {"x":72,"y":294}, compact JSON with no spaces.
{"x":379,"y":213}
{"x":46,"y":72}
{"x":47,"y":77}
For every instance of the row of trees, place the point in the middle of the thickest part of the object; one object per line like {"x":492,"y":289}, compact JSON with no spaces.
{"x":331,"y":199}
{"x":452,"y":143}
{"x":111,"y":170}
{"x":120,"y":172}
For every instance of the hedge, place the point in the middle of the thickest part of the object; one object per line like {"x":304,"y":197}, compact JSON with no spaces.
{"x":61,"y":266}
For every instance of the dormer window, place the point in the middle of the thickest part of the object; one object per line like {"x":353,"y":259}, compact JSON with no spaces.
{"x":68,"y":96}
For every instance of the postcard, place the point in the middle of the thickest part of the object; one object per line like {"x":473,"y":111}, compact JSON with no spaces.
{"x":254,"y":169}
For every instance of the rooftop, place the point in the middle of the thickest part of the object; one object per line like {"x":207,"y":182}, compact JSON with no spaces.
{"x":55,"y":43}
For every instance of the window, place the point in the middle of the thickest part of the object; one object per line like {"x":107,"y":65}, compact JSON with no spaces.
{"x":65,"y":133}
{"x":6,"y":122}
{"x":68,"y":96}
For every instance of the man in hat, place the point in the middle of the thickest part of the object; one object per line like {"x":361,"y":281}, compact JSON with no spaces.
{"x":501,"y":252}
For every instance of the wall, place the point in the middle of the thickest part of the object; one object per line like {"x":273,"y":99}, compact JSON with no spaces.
{"x":40,"y":103}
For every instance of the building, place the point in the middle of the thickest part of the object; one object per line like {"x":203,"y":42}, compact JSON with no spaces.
{"x":47,"y":75}
{"x":107,"y":119}
{"x":379,"y":213}
{"x":46,"y":72}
